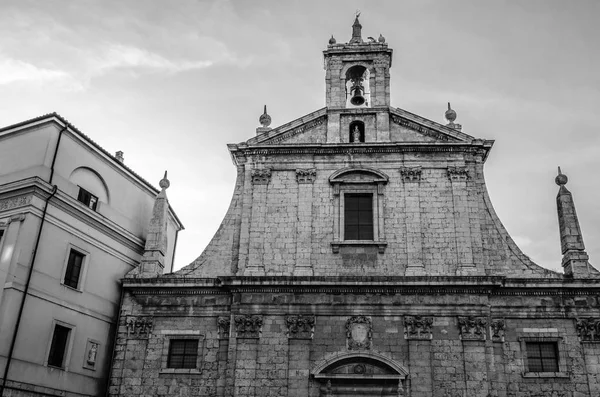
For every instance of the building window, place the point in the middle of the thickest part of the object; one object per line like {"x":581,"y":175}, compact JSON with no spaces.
{"x":1,"y":235}
{"x":542,"y":356}
{"x":358,"y":216}
{"x":183,"y":353}
{"x":58,"y":346}
{"x":73,"y":271}
{"x":87,"y":198}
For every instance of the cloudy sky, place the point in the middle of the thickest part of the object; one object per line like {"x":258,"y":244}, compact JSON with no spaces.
{"x":170,"y":83}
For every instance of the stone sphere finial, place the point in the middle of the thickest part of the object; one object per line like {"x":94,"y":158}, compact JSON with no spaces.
{"x":450,"y":114}
{"x":332,"y":40}
{"x":561,"y":179}
{"x":381,"y":39}
{"x":265,"y":119}
{"x":164,"y":183}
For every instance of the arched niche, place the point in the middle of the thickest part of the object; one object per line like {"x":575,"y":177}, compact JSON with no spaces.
{"x":360,"y":374}
{"x":91,"y":181}
{"x":356,"y":132}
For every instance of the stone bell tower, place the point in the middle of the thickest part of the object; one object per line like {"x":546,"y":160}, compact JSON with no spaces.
{"x":358,"y":69}
{"x":358,"y":83}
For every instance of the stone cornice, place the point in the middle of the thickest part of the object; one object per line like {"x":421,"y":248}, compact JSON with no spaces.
{"x":38,"y":188}
{"x":477,"y":147}
{"x":365,"y":285}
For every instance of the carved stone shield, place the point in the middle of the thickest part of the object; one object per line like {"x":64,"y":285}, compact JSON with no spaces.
{"x":358,"y":332}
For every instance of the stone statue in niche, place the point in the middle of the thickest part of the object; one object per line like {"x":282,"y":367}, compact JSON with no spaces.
{"x":356,"y":134}
{"x":92,"y":353}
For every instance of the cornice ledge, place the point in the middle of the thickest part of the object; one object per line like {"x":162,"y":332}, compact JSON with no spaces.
{"x":362,"y":281}
{"x":166,"y":281}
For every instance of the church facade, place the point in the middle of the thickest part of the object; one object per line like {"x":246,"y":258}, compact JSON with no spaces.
{"x":361,"y":255}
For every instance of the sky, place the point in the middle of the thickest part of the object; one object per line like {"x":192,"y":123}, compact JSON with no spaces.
{"x":170,"y":83}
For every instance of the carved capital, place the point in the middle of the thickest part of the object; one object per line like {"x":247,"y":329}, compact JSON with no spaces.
{"x":458,"y":173}
{"x":223,"y":325}
{"x":261,"y":176}
{"x":417,"y":327}
{"x":588,"y":329}
{"x":472,"y":328}
{"x":359,"y":332}
{"x":300,"y":327}
{"x":248,"y":326}
{"x":411,"y":174}
{"x":497,"y":329}
{"x":306,"y":176}
{"x":139,"y":327}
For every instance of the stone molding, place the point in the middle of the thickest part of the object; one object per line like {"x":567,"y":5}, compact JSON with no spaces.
{"x":295,"y":131}
{"x":472,"y":328}
{"x":411,"y":174}
{"x":300,"y":326}
{"x":14,"y":202}
{"x":139,"y":327}
{"x":248,"y":326}
{"x":418,"y":327}
{"x":224,"y":325}
{"x":421,"y":129}
{"x":588,"y":329}
{"x":457,"y":174}
{"x":306,"y":175}
{"x":359,"y":332}
{"x":261,"y":176}
{"x":497,"y":327}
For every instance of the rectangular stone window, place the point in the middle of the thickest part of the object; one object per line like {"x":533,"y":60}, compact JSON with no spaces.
{"x":358,"y":216}
{"x":58,"y":346}
{"x":542,"y":356}
{"x":87,"y":198}
{"x":73,"y":271}
{"x":183,"y":353}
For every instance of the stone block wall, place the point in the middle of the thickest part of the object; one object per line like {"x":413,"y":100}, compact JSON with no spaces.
{"x":441,"y":344}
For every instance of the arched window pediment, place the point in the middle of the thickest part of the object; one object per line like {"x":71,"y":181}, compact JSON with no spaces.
{"x":358,"y":175}
{"x":359,"y":364}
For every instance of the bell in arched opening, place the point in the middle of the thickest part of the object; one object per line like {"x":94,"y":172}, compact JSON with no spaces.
{"x":357,"y":87}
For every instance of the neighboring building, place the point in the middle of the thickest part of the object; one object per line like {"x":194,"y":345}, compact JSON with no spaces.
{"x":73,"y":221}
{"x":361,"y":255}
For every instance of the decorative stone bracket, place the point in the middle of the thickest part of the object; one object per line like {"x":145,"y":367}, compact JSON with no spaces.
{"x":261,"y":176}
{"x":472,"y":328}
{"x":418,"y":327}
{"x":139,"y":327}
{"x":588,"y":329}
{"x":300,"y":326}
{"x":359,"y":332}
{"x":306,"y":176}
{"x":457,"y":174}
{"x":497,"y":330}
{"x":381,"y":245}
{"x":411,"y":174}
{"x":248,"y":326}
{"x":223,"y":325}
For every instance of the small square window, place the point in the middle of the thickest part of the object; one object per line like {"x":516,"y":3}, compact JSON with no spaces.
{"x":183,"y":353}
{"x":358,"y":216}
{"x":73,"y":271}
{"x":87,"y":198}
{"x":542,"y":356}
{"x":58,"y":346}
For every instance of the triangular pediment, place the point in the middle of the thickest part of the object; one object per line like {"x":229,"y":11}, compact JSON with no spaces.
{"x":403,"y":127}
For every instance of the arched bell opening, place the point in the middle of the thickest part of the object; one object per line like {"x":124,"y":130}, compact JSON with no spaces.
{"x":356,"y":132}
{"x":361,"y":374}
{"x":358,"y":90}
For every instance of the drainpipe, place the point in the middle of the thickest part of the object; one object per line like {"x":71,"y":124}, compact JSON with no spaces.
{"x":30,"y":273}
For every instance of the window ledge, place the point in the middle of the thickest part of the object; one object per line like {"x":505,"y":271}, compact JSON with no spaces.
{"x":180,"y":371}
{"x":335,"y":246}
{"x":71,"y":288}
{"x":545,"y":375}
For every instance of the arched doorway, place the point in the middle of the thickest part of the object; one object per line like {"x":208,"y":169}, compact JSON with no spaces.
{"x":360,"y":374}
